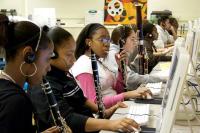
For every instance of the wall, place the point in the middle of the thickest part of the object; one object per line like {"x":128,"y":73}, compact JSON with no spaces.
{"x":185,"y":10}
{"x":19,"y":5}
{"x":67,"y":8}
{"x":182,"y":9}
{"x":74,"y":10}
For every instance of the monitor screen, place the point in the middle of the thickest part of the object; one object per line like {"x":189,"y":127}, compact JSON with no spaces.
{"x":180,"y":42}
{"x":195,"y":48}
{"x":172,"y":71}
{"x":170,"y":79}
{"x":190,"y":41}
{"x":173,"y":90}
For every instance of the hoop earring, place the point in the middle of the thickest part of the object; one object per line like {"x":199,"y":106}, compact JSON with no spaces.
{"x":30,"y":75}
{"x":89,"y":44}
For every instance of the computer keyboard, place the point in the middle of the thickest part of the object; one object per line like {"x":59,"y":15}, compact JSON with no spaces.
{"x":140,"y":113}
{"x":155,"y":88}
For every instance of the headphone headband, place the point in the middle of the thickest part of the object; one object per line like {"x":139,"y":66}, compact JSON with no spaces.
{"x":38,"y":42}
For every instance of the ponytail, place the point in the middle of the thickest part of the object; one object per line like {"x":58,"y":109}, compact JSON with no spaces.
{"x":15,"y":35}
{"x":3,"y":30}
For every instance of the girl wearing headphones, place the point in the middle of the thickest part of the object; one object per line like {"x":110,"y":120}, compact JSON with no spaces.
{"x":95,"y":37}
{"x":74,"y":106}
{"x":155,"y":55}
{"x":28,"y":51}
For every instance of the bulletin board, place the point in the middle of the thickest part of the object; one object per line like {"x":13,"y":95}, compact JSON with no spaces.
{"x":122,"y":11}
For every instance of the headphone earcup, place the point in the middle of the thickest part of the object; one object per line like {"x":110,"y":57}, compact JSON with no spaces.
{"x":55,"y":55}
{"x":29,"y":57}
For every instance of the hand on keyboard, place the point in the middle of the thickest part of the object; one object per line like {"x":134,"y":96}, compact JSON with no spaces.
{"x":139,"y":113}
{"x":149,"y":96}
{"x":145,"y":93}
{"x":141,"y":92}
{"x":155,"y":87}
{"x":112,"y":109}
{"x":126,"y":125}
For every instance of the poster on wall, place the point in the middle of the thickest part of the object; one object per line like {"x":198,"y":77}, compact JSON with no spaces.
{"x":94,"y":16}
{"x":122,"y":11}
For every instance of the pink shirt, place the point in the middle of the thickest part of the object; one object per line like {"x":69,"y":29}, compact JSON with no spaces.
{"x":87,"y":84}
{"x":111,"y":85}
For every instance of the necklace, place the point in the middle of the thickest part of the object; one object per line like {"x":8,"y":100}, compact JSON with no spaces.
{"x":4,"y":75}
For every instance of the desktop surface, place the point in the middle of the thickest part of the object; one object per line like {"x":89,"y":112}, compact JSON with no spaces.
{"x":154,"y":113}
{"x":122,"y":112}
{"x":161,"y":69}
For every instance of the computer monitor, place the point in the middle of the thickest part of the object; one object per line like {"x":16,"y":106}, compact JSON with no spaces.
{"x":189,"y":42}
{"x":195,"y":48}
{"x":173,"y":90}
{"x":192,"y":46}
{"x":196,"y":24}
{"x":190,"y":25}
{"x":180,"y":42}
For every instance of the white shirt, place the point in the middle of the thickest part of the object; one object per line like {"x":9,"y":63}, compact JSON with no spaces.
{"x":110,"y":60}
{"x":163,"y":37}
{"x":83,"y":65}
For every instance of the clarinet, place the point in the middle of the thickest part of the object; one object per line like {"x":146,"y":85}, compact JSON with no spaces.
{"x":101,"y":107}
{"x":146,"y":62}
{"x":54,"y":109}
{"x":123,"y":62}
{"x":141,"y":38}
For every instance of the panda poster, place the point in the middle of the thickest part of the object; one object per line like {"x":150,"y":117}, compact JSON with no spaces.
{"x":123,"y":11}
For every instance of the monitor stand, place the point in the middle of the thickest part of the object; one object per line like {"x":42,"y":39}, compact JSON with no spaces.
{"x":184,"y":116}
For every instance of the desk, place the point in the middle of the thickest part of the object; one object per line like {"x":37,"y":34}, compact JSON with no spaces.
{"x":161,"y":69}
{"x":122,"y":112}
{"x":178,"y":127}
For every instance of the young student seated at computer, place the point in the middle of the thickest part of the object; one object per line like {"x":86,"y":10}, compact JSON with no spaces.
{"x":174,"y":26}
{"x":95,"y":37}
{"x":134,"y":80}
{"x":154,"y":56}
{"x":164,"y":38}
{"x":75,"y":108}
{"x":28,"y":51}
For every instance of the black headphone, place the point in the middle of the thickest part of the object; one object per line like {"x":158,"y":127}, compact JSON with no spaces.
{"x":122,"y":32}
{"x":150,"y":35}
{"x":30,"y":56}
{"x":55,"y":55}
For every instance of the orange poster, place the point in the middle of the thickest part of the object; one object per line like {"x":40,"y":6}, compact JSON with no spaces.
{"x":123,"y":11}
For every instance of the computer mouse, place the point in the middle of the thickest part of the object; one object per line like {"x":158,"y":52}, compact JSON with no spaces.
{"x":136,"y":130}
{"x":149,"y":96}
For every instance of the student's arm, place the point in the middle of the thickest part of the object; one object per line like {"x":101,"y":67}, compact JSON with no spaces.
{"x":164,"y":51}
{"x":91,"y":105}
{"x":119,"y":84}
{"x":123,"y":124}
{"x":17,"y":112}
{"x":160,"y":53}
{"x":53,"y":129}
{"x":170,"y":44}
{"x":87,"y":85}
{"x":160,"y":49}
{"x":75,"y":121}
{"x":108,"y":112}
{"x":80,"y":123}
